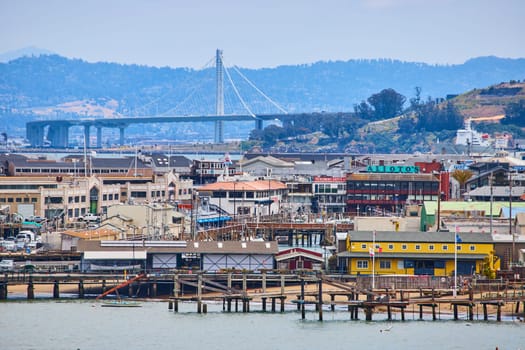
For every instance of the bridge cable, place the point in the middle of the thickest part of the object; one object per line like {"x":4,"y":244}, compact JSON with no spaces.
{"x":237,"y":92}
{"x":259,"y":91}
{"x":207,"y":65}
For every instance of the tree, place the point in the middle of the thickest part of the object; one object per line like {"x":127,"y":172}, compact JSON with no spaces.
{"x":387,"y":104}
{"x":462,"y":176}
{"x":515,"y":113}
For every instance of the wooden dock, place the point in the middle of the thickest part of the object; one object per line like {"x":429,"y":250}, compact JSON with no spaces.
{"x":272,"y":290}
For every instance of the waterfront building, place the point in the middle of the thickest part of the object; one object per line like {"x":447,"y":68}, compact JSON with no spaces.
{"x":329,"y":194}
{"x":386,"y":189}
{"x":299,"y":258}
{"x":211,"y":256}
{"x":299,"y":198}
{"x":417,"y":253}
{"x":69,"y":197}
{"x":259,"y":197}
{"x":64,"y":198}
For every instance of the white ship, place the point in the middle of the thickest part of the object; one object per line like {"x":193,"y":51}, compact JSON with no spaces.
{"x":470,"y":137}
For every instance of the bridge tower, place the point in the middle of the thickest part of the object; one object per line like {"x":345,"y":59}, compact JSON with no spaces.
{"x":219,"y":107}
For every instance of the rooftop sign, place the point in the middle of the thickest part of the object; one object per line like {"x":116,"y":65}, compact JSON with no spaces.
{"x":405,"y":169}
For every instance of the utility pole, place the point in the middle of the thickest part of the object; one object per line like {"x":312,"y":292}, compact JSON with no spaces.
{"x":491,"y":201}
{"x":510,"y":218}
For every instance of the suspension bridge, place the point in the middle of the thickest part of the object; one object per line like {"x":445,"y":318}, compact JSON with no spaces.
{"x":57,"y":132}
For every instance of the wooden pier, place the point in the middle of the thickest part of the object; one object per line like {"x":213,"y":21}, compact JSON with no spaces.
{"x":272,"y":290}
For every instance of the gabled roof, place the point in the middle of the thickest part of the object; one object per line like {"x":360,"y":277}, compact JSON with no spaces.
{"x":295,"y":252}
{"x":271,"y":161}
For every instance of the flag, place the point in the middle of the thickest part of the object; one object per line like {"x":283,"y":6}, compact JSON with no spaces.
{"x":458,"y":239}
{"x":371,"y":251}
{"x":379,"y":249}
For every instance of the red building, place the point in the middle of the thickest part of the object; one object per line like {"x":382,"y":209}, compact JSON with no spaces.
{"x":299,"y":258}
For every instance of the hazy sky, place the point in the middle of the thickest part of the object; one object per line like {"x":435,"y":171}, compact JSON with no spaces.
{"x":265,"y":33}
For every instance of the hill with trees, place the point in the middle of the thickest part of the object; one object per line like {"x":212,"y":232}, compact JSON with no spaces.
{"x":346,"y":95}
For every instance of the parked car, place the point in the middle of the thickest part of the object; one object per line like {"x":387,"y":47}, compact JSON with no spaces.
{"x":9,"y":244}
{"x":89,"y":217}
{"x":7,"y":265}
{"x":37,"y":219}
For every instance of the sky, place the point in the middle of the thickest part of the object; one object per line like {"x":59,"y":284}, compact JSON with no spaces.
{"x":265,"y":33}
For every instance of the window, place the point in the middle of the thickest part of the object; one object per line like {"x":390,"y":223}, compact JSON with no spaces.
{"x":430,"y":247}
{"x":362,"y":264}
{"x":18,"y":200}
{"x":390,"y":247}
{"x":458,"y":247}
{"x":363,"y":246}
{"x":404,"y":246}
{"x":384,"y":264}
{"x":445,"y":247}
{"x":418,"y":246}
{"x":472,"y":248}
{"x":439,"y":264}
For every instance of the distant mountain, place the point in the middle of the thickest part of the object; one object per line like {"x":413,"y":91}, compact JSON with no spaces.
{"x":51,"y":86}
{"x":23,"y":52}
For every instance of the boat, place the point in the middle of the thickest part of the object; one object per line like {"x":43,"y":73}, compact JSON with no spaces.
{"x":120,"y":303}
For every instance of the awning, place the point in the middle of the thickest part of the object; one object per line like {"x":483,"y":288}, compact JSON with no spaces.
{"x":115,"y":255}
{"x":31,"y":224}
{"x":214,"y":219}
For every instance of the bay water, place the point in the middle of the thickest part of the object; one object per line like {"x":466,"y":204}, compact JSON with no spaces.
{"x":77,"y":324}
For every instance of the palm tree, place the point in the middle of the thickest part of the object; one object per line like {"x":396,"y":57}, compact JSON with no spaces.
{"x":462,"y":176}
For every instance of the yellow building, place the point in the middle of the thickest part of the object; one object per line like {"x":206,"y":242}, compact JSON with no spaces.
{"x":417,"y":253}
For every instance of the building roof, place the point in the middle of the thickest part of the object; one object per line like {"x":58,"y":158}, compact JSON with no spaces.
{"x":424,"y":237}
{"x":497,"y":191}
{"x":164,"y":160}
{"x":295,"y":252}
{"x":451,"y":206}
{"x":271,"y":161}
{"x":200,"y":247}
{"x":258,"y":185}
{"x":127,"y":163}
{"x":462,"y":255}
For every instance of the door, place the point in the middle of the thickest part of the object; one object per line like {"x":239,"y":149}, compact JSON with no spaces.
{"x":424,"y":267}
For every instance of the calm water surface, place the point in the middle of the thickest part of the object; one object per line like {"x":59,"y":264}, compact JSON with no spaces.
{"x":87,"y":325}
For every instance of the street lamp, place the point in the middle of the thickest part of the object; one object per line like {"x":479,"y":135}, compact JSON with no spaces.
{"x":269,"y":197}
{"x":234,"y":204}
